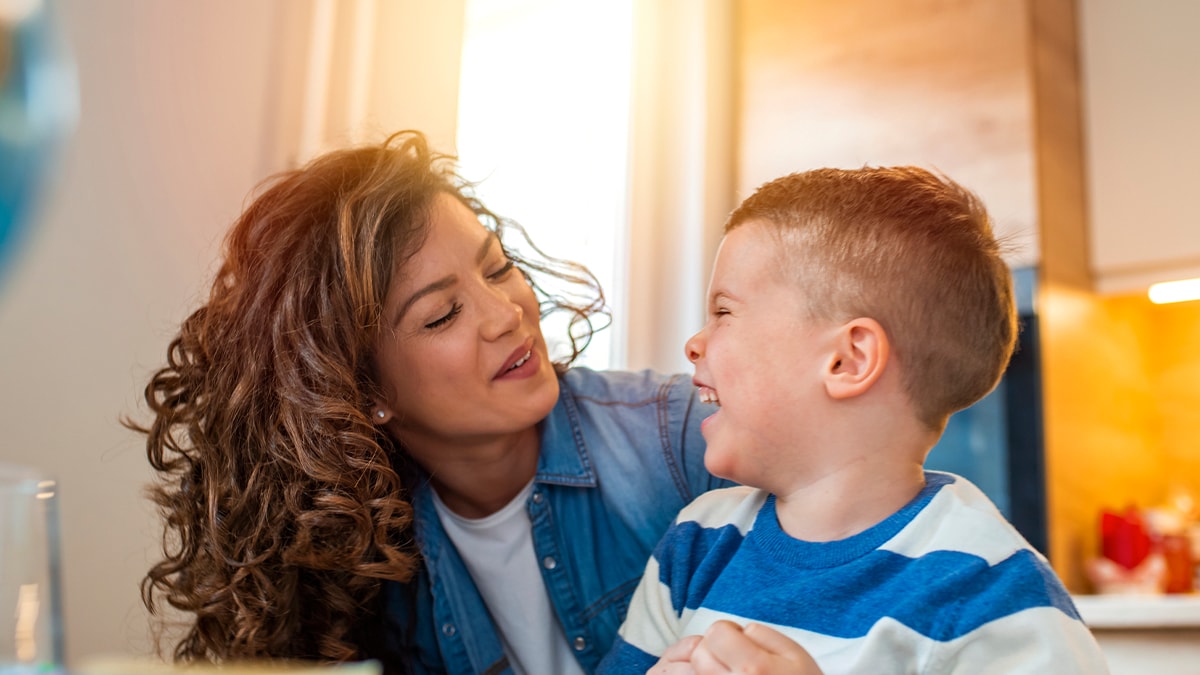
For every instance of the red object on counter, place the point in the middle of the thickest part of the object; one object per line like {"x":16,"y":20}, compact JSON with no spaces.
{"x":1177,"y":550}
{"x":1123,"y":537}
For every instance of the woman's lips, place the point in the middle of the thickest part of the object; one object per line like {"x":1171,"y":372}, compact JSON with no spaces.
{"x":522,"y":363}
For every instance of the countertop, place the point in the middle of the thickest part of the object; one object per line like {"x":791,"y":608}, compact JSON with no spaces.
{"x":1115,"y":612}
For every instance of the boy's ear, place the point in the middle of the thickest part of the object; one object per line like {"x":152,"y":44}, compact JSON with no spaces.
{"x":860,"y":355}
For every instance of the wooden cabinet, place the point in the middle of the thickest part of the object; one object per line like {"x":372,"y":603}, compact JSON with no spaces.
{"x":1140,"y":64}
{"x":944,"y":84}
{"x":988,"y":92}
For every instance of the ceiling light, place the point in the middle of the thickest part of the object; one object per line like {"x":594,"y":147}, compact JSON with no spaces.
{"x":1175,"y":291}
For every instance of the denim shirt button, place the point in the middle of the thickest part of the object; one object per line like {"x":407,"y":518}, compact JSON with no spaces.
{"x":580,"y":644}
{"x":537,"y":498}
{"x":448,"y":629}
{"x":549,"y":562}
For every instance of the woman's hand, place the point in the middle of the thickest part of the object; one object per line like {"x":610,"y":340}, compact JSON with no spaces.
{"x":728,"y":648}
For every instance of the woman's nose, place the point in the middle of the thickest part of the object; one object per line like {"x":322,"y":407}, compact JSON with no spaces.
{"x":693,"y":348}
{"x":503,"y":315}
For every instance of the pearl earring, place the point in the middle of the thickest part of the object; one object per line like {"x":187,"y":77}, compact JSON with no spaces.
{"x":380,"y":414}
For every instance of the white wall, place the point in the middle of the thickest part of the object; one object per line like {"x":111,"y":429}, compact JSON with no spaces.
{"x":184,"y":107}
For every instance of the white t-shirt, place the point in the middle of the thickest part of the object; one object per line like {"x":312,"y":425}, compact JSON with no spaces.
{"x":498,"y":552}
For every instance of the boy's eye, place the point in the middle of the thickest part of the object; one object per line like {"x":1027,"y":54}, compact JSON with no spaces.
{"x":445,"y":319}
{"x":502,"y":272}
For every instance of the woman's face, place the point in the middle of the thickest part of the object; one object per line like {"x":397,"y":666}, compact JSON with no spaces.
{"x":461,"y":356}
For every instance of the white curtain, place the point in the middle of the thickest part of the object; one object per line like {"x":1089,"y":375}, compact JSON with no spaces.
{"x":681,"y":173}
{"x":352,"y":71}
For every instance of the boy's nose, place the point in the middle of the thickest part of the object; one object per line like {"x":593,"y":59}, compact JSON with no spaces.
{"x":692,"y":348}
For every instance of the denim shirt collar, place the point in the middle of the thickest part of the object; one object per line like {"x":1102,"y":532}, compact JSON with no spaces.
{"x":564,"y":459}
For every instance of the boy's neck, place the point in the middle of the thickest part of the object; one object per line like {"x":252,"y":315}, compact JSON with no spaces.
{"x":848,"y":500}
{"x":861,"y":466}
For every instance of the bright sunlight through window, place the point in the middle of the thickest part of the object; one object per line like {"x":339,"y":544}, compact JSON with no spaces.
{"x":543,"y":126}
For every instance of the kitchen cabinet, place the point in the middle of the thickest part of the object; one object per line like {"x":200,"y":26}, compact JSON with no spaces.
{"x":943,"y":84}
{"x":1141,"y":107}
{"x":989,"y":92}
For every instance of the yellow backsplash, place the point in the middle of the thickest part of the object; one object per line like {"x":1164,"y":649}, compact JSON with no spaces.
{"x":1122,"y":412}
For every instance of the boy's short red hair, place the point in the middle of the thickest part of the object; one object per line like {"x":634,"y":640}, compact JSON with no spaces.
{"x":911,"y":249}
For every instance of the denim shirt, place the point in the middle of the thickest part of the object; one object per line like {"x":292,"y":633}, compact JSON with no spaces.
{"x":621,"y":454}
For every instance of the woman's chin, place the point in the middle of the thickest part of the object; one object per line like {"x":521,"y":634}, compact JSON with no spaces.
{"x":545,"y":394}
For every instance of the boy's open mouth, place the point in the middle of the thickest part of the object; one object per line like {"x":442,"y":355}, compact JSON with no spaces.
{"x":709,"y":395}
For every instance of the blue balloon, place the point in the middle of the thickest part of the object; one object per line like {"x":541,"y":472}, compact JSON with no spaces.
{"x":38,"y":108}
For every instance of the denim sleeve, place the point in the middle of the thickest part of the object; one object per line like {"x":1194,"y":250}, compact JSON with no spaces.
{"x":687,"y":407}
{"x":625,"y":658}
{"x":409,"y":643}
{"x":653,"y":621}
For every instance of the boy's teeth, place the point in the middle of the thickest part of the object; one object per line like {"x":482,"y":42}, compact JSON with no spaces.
{"x":521,"y":361}
{"x":709,"y":395}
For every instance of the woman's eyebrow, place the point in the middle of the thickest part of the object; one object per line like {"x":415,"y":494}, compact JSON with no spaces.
{"x":492,"y":238}
{"x":444,"y":282}
{"x":440,"y":284}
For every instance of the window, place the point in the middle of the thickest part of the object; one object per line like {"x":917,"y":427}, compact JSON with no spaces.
{"x":543,"y":128}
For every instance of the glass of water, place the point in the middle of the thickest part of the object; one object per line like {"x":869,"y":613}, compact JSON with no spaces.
{"x":31,"y":639}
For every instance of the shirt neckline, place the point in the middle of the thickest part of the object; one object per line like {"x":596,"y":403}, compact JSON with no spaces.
{"x":507,"y":511}
{"x":770,"y":537}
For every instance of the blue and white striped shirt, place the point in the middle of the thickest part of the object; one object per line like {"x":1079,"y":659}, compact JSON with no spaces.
{"x":944,"y":585}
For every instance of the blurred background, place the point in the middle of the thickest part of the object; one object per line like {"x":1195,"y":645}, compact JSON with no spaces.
{"x":620,"y":134}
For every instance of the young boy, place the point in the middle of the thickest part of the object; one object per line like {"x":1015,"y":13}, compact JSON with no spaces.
{"x":850,"y":313}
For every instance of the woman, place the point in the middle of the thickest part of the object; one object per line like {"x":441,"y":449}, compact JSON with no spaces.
{"x":366,"y":451}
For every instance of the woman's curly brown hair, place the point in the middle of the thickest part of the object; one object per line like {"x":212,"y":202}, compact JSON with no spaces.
{"x":284,"y":506}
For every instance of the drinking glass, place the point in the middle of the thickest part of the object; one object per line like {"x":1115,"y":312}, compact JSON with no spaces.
{"x":31,"y":638}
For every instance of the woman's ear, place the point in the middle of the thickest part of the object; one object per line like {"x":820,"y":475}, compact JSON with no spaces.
{"x":380,"y":413}
{"x":861,"y":351}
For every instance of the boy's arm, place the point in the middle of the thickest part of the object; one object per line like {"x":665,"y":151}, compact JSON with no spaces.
{"x":1039,"y":640}
{"x":704,"y":536}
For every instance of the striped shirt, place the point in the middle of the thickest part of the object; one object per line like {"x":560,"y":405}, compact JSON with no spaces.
{"x":944,"y":585}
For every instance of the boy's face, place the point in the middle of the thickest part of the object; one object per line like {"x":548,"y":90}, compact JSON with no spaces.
{"x":762,"y":360}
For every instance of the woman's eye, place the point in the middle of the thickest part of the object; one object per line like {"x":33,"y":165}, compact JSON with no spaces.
{"x":438,"y":323}
{"x":499,"y":274}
